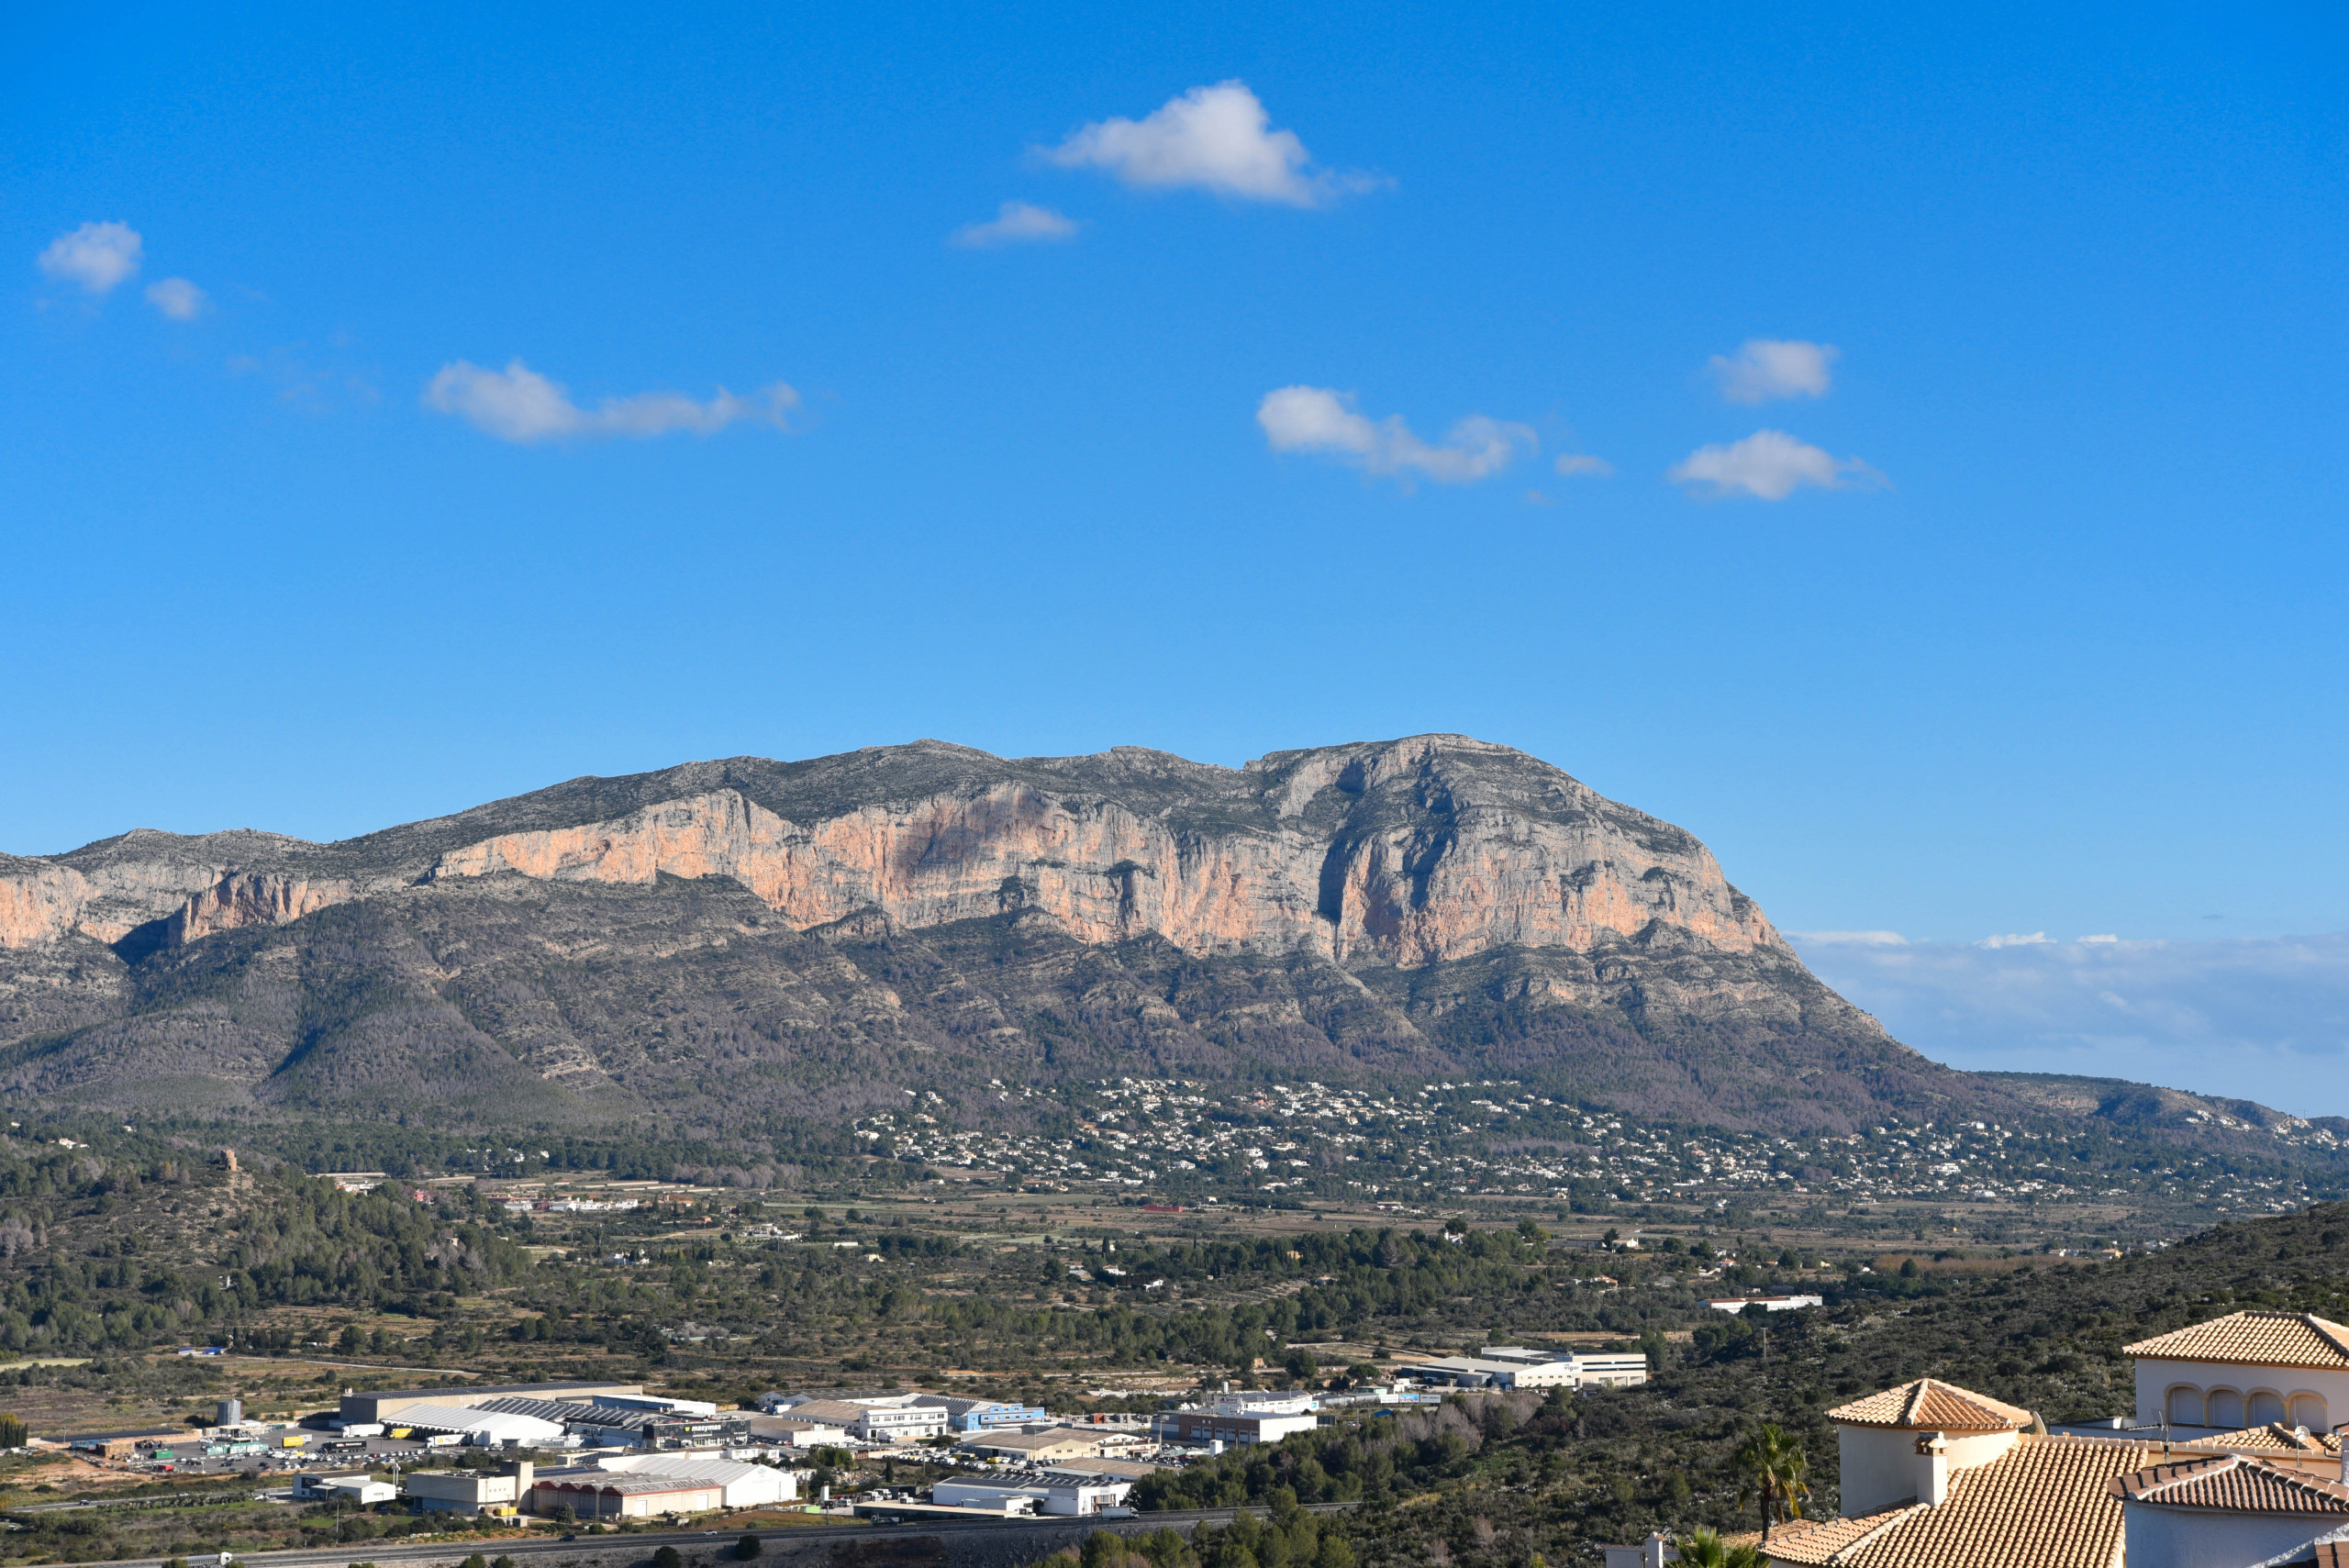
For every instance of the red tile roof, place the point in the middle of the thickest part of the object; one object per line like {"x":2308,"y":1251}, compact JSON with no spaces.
{"x":1931,"y":1405}
{"x":2235,"y":1484}
{"x":2043,"y":1504}
{"x":2259,"y":1339}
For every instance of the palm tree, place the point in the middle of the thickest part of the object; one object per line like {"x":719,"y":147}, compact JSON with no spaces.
{"x":1775,"y":1469}
{"x":1703,"y":1547}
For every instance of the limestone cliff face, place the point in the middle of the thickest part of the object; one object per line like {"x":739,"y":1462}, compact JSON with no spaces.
{"x":1401,"y":853}
{"x":39,"y":901}
{"x":1378,"y":854}
{"x":252,"y":898}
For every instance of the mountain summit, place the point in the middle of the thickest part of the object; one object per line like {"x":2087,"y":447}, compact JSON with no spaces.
{"x":750,"y":939}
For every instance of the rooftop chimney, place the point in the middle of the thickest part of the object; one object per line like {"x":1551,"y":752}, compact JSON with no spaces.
{"x":1933,"y":1468}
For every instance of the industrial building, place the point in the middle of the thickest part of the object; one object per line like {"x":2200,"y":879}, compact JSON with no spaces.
{"x":384,"y":1404}
{"x":1060,"y":1494}
{"x":599,"y":1494}
{"x":497,"y":1491}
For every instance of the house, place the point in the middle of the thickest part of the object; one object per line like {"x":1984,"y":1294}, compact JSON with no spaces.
{"x":2232,"y":1511}
{"x":597,"y":1494}
{"x":499,"y":1492}
{"x":739,"y":1484}
{"x":2247,"y":1369}
{"x":1938,"y":1476}
{"x":2294,"y":1448}
{"x":1035,"y":1448}
{"x":1877,"y":1438}
{"x":1652,"y":1552}
{"x":1610,"y":1371}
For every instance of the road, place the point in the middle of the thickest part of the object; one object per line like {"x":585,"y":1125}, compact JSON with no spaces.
{"x":979,"y":1543}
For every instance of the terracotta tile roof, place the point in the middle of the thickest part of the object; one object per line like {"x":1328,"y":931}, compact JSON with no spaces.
{"x":2273,"y":1437}
{"x":2263,"y":1339}
{"x":2235,"y":1482}
{"x":2043,"y":1504}
{"x":1929,"y":1406}
{"x":1816,"y":1544}
{"x":2332,"y":1554}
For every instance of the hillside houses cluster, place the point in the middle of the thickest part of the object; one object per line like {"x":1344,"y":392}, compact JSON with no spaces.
{"x":1144,"y":1133}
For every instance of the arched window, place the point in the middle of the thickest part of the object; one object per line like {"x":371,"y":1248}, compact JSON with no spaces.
{"x":2223,"y":1409}
{"x":2186,"y":1406}
{"x":2307,"y":1410}
{"x":2264,"y":1407}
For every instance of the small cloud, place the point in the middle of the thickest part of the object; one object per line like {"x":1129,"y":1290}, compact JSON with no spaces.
{"x":517,"y":404}
{"x":2104,"y":938}
{"x":1770,"y":464}
{"x":97,"y":255}
{"x":1572,"y":464}
{"x":1015,"y":223}
{"x":1217,"y":139}
{"x":2035,"y":939}
{"x":1858,"y":939}
{"x":1768,"y":367}
{"x":177,"y":298}
{"x":1320,"y":420}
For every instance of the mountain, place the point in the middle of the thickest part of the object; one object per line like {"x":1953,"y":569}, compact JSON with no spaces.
{"x":732,"y":943}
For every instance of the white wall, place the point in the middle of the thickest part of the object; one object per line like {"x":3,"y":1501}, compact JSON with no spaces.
{"x":1880,"y":1466}
{"x":2221,"y":1397}
{"x":2203,"y":1537}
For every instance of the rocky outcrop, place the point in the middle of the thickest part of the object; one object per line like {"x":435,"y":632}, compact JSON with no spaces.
{"x":39,"y":902}
{"x":1402,"y":853}
{"x":1382,"y":854}
{"x":253,"y":898}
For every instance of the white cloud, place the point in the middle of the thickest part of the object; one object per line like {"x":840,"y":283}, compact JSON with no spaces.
{"x":1014,"y":223}
{"x":97,"y":255}
{"x":2028,"y":940}
{"x":517,"y":404}
{"x":1862,"y":938}
{"x":1770,"y":464}
{"x":177,"y":298}
{"x":2108,"y":937}
{"x":2266,"y":1020}
{"x":1572,"y":464}
{"x":1218,"y":139}
{"x":1768,"y":367}
{"x":1318,"y":419}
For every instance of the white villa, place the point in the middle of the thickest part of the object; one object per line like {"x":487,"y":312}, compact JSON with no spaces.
{"x":2247,"y":1369}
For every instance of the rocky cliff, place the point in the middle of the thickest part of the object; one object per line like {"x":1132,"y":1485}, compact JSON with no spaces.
{"x":753,"y":934}
{"x":1406,"y":853}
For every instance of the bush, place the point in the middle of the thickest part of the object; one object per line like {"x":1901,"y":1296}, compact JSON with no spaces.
{"x":668,"y":1557}
{"x":476,"y":1561}
{"x":748,"y":1547}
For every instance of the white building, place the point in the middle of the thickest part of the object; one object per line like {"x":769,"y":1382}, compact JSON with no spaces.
{"x":1936,"y":1476}
{"x":1057,"y":1493}
{"x":1766,"y":1303}
{"x":2233,"y":1511}
{"x":485,"y":1428}
{"x":2247,"y":1369}
{"x":739,"y":1484}
{"x":1881,"y":1441}
{"x":356,"y":1486}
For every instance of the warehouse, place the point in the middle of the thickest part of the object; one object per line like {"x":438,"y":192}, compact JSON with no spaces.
{"x":741,"y":1485}
{"x":595,"y":1495}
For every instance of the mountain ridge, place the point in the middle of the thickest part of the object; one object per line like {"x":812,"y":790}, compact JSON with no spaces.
{"x":743,"y":940}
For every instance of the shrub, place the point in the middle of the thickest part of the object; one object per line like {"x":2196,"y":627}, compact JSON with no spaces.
{"x":748,"y":1547}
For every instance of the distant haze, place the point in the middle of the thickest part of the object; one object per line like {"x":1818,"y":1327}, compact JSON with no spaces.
{"x":2262,"y":1019}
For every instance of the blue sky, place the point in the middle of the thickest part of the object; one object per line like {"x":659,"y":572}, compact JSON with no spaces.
{"x":1996,"y":590}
